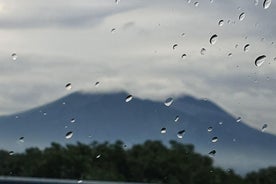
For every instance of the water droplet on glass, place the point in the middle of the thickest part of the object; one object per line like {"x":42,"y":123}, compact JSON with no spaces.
{"x":211,"y":1}
{"x":221,"y":22}
{"x":14,"y":56}
{"x":183,"y":34}
{"x":256,"y":2}
{"x":79,"y":181}
{"x":220,"y":122}
{"x":209,"y":129}
{"x":242,"y":16}
{"x":188,"y":1}
{"x":213,"y":39}
{"x":183,"y":56}
{"x":113,"y":30}
{"x":98,"y":156}
{"x":174,"y":46}
{"x":196,"y":3}
{"x":266,"y":4}
{"x":260,"y":60}
{"x":230,"y":54}
{"x":163,"y":130}
{"x":180,"y":134}
{"x":21,"y":139}
{"x":274,"y":59}
{"x":44,"y":113}
{"x":97,"y":83}
{"x":238,"y":119}
{"x":117,"y":1}
{"x":69,"y":135}
{"x":168,"y":102}
{"x":212,"y":153}
{"x":236,"y":46}
{"x":246,"y":48}
{"x":68,"y":86}
{"x":264,"y":127}
{"x":215,"y":139}
{"x":11,"y":153}
{"x":73,"y":120}
{"x":128,"y":98}
{"x":203,"y":51}
{"x":176,"y":119}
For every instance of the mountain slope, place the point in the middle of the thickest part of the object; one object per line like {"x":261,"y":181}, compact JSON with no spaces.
{"x":107,"y":117}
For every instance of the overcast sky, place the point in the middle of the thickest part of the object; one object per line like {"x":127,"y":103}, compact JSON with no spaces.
{"x":71,"y":41}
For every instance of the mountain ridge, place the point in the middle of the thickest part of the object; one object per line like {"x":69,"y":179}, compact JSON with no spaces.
{"x":108,"y":117}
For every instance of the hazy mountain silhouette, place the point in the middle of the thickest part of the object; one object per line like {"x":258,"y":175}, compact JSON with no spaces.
{"x":107,"y":117}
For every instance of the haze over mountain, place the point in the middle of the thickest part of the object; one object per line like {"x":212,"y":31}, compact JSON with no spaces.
{"x":108,"y":117}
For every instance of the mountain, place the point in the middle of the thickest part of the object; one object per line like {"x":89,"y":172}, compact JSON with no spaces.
{"x":108,"y":117}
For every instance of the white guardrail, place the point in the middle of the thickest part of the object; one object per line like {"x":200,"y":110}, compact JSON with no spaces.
{"x":23,"y":180}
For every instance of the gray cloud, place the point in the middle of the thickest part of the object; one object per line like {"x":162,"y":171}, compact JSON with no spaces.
{"x":72,"y":42}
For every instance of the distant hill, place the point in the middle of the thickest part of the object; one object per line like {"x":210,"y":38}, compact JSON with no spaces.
{"x":108,"y":117}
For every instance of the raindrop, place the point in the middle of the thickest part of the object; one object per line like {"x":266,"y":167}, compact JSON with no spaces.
{"x":183,"y":56}
{"x":266,"y":4}
{"x":264,"y":127}
{"x":44,"y":113}
{"x":163,"y":130}
{"x":183,"y":34}
{"x":215,"y":139}
{"x":69,"y":135}
{"x":79,"y":181}
{"x":212,"y":153}
{"x":113,"y":30}
{"x":11,"y":153}
{"x":188,"y":1}
{"x":260,"y":60}
{"x":242,"y":16}
{"x":196,"y":3}
{"x":236,"y":46}
{"x":168,"y":102}
{"x":98,"y":156}
{"x":221,"y":22}
{"x":68,"y":86}
{"x":213,"y":39}
{"x":274,"y":59}
{"x":221,"y":123}
{"x":14,"y":56}
{"x":174,"y":46}
{"x":180,"y":134}
{"x":230,"y":54}
{"x":176,"y":119}
{"x":209,"y":129}
{"x":203,"y":51}
{"x":73,"y":120}
{"x":117,"y":1}
{"x":128,"y":98}
{"x":21,"y":139}
{"x":256,"y":2}
{"x":238,"y":119}
{"x":211,"y":1}
{"x":97,"y":83}
{"x":246,"y":48}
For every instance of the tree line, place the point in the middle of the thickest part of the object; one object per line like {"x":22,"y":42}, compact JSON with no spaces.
{"x":151,"y":162}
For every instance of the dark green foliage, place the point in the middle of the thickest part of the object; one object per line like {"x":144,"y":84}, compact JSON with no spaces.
{"x":149,"y":162}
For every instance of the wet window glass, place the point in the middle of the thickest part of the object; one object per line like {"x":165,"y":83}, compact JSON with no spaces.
{"x":124,"y":91}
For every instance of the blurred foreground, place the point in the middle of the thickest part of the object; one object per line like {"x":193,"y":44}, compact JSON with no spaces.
{"x":150,"y":162}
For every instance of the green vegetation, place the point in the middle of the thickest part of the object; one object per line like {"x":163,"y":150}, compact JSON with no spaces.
{"x":149,"y":162}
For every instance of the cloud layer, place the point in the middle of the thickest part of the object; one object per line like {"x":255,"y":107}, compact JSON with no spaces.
{"x":71,"y":41}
